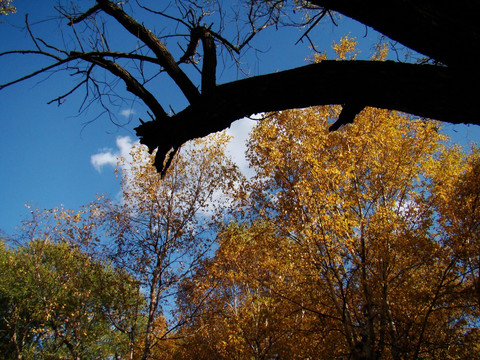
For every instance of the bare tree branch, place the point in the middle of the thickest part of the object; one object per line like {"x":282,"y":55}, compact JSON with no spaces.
{"x":209,"y":62}
{"x":192,"y":45}
{"x":60,"y":99}
{"x":133,"y":85}
{"x":440,"y":92}
{"x":85,"y":15}
{"x":35,"y":73}
{"x":30,"y":33}
{"x":160,"y":50}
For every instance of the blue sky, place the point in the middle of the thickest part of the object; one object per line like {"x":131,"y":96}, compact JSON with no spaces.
{"x":51,"y":156}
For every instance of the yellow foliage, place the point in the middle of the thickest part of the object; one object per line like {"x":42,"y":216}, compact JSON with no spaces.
{"x":375,"y":211}
{"x":366,"y":245}
{"x":6,"y":7}
{"x":346,"y":49}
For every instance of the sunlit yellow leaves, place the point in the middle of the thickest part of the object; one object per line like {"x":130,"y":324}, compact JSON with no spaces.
{"x":361,"y":206}
{"x":346,"y":48}
{"x":164,"y":227}
{"x":6,"y":7}
{"x":235,"y":314}
{"x":358,"y":243}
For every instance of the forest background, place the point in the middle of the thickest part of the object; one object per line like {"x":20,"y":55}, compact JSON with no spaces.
{"x":358,"y":244}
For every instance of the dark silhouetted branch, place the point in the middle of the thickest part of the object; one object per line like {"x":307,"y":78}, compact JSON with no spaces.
{"x":133,"y":85}
{"x":348,"y":114}
{"x":160,"y":50}
{"x":425,"y":90}
{"x":85,"y":15}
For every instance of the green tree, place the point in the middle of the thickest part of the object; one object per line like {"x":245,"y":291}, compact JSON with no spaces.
{"x":58,"y":302}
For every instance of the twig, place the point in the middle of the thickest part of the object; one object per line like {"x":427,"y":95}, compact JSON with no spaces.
{"x":320,"y":17}
{"x":30,"y":33}
{"x":86,"y":14}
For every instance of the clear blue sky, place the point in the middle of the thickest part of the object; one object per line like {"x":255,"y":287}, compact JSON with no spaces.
{"x":46,"y":150}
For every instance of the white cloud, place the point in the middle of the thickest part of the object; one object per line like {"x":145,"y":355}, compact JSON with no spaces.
{"x":127,"y":112}
{"x":108,"y":157}
{"x":240,"y":130}
{"x":102,"y":159}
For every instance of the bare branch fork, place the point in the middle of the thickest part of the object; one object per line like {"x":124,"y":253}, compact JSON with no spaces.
{"x":430,"y":91}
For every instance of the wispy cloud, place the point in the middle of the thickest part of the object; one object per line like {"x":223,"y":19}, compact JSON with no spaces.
{"x":109,"y":157}
{"x":127,"y":112}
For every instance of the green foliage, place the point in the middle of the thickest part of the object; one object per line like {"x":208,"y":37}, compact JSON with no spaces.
{"x":58,"y":302}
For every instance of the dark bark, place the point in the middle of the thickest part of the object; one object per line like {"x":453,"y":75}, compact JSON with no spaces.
{"x":132,"y":84}
{"x":209,"y":67}
{"x":160,"y":50}
{"x":442,"y":30}
{"x":424,"y":90}
{"x":445,"y":30}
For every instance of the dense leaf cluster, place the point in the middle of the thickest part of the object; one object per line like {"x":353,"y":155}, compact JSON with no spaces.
{"x":357,"y":244}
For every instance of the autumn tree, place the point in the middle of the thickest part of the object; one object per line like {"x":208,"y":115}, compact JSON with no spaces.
{"x":368,"y":247}
{"x":366,"y":211}
{"x":354,"y":244}
{"x":56,"y":301}
{"x":164,"y":227}
{"x":231,"y":308}
{"x":6,"y":7}
{"x":104,"y":275}
{"x":448,"y":40}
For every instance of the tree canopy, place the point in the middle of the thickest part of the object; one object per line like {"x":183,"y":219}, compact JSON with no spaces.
{"x":447,"y":39}
{"x":356,"y":247}
{"x":355,"y":244}
{"x":165,"y":227}
{"x":6,"y":7}
{"x":56,"y":301}
{"x":100,"y":282}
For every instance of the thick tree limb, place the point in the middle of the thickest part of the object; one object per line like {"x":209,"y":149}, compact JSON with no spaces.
{"x":349,"y":111}
{"x":447,"y":31}
{"x":424,"y":90}
{"x":430,"y":27}
{"x":160,"y":50}
{"x":209,"y":64}
{"x":192,"y":46}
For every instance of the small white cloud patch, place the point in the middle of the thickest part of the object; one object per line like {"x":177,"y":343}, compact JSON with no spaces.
{"x":108,"y":157}
{"x":102,"y":159}
{"x":127,"y":112}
